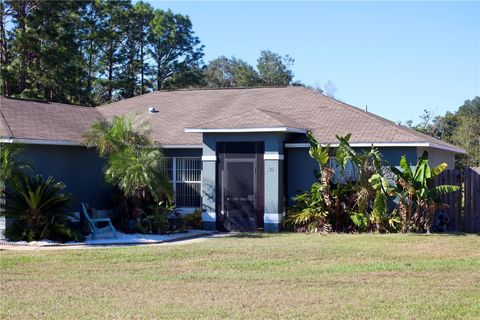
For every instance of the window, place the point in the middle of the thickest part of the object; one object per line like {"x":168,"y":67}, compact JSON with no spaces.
{"x":349,"y":174}
{"x":185,"y":174}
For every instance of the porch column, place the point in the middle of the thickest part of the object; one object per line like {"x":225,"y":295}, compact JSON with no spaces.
{"x":274,"y":197}
{"x":209,"y":216}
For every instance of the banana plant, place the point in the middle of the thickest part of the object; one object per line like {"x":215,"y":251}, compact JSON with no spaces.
{"x":380,"y":217}
{"x":309,"y":212}
{"x":417,"y":201}
{"x":317,"y":151}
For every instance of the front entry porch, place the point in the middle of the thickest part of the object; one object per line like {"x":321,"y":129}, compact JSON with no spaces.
{"x":242,"y":182}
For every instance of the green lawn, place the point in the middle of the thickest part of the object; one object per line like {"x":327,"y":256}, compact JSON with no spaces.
{"x":293,"y":276}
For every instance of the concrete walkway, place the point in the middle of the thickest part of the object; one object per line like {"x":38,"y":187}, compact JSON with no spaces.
{"x":173,"y":239}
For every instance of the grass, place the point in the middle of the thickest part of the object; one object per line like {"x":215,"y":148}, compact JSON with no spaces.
{"x":287,"y":276}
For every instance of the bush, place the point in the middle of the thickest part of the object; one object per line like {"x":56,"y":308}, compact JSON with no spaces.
{"x":194,"y":220}
{"x":40,"y":210}
{"x":158,"y":219}
{"x":63,"y":233}
{"x":362,"y":203}
{"x":176,"y":222}
{"x":309,"y":213}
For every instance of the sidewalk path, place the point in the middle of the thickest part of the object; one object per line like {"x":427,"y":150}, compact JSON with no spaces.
{"x":192,"y":236}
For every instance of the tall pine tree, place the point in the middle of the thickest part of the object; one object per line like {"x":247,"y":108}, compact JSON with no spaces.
{"x":174,"y":48}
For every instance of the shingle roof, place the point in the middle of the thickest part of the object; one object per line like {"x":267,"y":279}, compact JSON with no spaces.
{"x":27,"y":119}
{"x":256,"y":118}
{"x":296,"y":107}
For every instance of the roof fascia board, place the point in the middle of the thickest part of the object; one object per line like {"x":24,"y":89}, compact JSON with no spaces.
{"x":447,"y":148}
{"x":75,"y":143}
{"x":180,"y":146}
{"x":41,"y":142}
{"x":363,"y":144}
{"x":243,"y":130}
{"x":385,"y":144}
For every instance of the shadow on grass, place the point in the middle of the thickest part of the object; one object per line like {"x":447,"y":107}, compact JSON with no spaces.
{"x":246,"y":235}
{"x":455,"y":233}
{"x":256,"y":235}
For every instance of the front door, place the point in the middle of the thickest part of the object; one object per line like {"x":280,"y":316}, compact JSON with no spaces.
{"x":240,"y":193}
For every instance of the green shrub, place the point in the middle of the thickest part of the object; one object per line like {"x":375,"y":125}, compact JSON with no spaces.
{"x":134,"y":164}
{"x":194,"y":220}
{"x":362,"y":204}
{"x":12,"y":170}
{"x":159,"y":220}
{"x":309,"y":213}
{"x":63,"y":233}
{"x":177,"y":223}
{"x":360,"y":221}
{"x":39,"y":210}
{"x":417,"y":199}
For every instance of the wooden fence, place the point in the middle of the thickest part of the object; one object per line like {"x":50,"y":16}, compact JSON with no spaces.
{"x":464,"y":205}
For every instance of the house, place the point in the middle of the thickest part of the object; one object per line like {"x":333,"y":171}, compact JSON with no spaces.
{"x":239,"y":154}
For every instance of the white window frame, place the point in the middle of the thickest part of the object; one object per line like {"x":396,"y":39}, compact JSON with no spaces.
{"x":332,"y":162}
{"x":175,"y":181}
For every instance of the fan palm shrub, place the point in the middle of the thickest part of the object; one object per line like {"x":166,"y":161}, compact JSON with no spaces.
{"x":39,"y":208}
{"x":138,"y":173}
{"x":110,"y":137}
{"x":134,"y":166}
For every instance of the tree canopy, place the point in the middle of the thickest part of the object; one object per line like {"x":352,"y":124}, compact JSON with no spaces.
{"x":92,"y":52}
{"x":460,"y":128}
{"x":97,"y":51}
{"x":272,"y":70}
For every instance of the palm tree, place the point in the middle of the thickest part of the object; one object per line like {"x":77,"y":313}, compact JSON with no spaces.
{"x":134,"y":165}
{"x":110,"y":137}
{"x":138,"y":172}
{"x":12,"y":169}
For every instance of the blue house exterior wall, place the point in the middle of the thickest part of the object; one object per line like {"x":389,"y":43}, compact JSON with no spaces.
{"x":81,"y":169}
{"x":78,"y":167}
{"x":301,"y":167}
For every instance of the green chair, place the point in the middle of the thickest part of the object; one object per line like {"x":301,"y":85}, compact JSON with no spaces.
{"x":93,"y":223}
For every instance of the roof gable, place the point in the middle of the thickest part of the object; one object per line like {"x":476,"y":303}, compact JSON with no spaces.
{"x":258,"y":119}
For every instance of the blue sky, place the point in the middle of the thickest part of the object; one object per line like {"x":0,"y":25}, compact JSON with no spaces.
{"x":398,"y":58}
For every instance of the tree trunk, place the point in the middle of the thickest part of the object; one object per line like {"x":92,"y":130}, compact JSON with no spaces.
{"x":338,"y":207}
{"x":159,"y":77}
{"x":23,"y":52}
{"x":142,"y":71}
{"x":90,"y":68}
{"x":132,"y":82}
{"x":3,"y":49}
{"x":110,"y":72}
